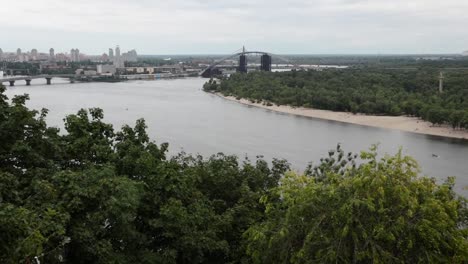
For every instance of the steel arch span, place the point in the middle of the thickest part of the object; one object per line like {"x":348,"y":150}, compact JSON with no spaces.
{"x":265,"y":62}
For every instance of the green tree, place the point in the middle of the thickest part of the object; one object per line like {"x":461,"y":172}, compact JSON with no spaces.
{"x":378,"y":212}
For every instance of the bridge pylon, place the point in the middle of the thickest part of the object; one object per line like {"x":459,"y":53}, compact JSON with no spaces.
{"x":242,"y":63}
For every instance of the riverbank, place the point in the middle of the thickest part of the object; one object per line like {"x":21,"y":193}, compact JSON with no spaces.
{"x":403,"y":123}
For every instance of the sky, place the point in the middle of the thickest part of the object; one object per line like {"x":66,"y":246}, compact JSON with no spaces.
{"x":224,"y":26}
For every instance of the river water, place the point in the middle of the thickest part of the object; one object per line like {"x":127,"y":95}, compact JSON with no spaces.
{"x":179,"y":112}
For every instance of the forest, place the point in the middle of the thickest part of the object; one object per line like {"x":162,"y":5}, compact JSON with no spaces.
{"x":95,"y":194}
{"x":371,"y":91}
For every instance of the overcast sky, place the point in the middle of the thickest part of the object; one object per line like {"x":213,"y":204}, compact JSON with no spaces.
{"x":223,"y":26}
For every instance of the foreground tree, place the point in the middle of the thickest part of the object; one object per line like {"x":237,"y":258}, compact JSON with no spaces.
{"x":378,"y":212}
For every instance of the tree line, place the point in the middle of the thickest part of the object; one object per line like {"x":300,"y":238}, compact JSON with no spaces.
{"x":368,"y":90}
{"x":94,"y":194}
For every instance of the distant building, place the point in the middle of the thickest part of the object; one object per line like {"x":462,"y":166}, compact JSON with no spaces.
{"x":89,"y":72}
{"x":51,"y":54}
{"x":111,"y":54}
{"x":61,"y":57}
{"x":34,"y":54}
{"x":1,"y":54}
{"x":19,"y":55}
{"x":118,"y":60}
{"x":72,"y":55}
{"x":106,"y":69}
{"x":75,"y":55}
{"x":104,"y":57}
{"x":130,"y":56}
{"x":465,"y":53}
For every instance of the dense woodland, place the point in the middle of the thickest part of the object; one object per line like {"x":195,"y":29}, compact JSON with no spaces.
{"x":359,"y":90}
{"x":92,"y":194}
{"x":381,"y":61}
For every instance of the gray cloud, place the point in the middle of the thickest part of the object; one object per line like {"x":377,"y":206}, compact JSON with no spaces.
{"x":209,"y":26}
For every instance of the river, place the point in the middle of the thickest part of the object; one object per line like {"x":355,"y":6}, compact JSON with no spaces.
{"x":179,"y":112}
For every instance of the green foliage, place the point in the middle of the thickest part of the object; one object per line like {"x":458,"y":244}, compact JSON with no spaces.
{"x":370,"y":91}
{"x":95,"y":195}
{"x":22,"y":68}
{"x":378,"y":212}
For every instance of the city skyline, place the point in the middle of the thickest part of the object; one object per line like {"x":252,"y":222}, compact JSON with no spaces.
{"x":74,"y":55}
{"x":210,"y":27}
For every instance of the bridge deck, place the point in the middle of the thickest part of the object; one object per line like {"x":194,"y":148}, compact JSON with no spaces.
{"x":23,"y":78}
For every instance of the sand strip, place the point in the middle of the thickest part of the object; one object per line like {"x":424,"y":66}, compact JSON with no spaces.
{"x":403,"y":123}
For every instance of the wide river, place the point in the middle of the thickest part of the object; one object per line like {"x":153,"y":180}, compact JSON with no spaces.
{"x":179,"y":112}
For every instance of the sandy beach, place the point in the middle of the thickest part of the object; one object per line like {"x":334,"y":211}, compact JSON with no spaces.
{"x":403,"y":123}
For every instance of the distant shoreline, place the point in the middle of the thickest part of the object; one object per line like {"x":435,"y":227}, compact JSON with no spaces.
{"x":402,"y":123}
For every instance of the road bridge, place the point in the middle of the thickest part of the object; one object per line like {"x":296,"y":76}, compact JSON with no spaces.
{"x":48,"y":78}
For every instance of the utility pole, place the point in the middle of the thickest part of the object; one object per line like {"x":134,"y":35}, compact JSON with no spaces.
{"x":441,"y":82}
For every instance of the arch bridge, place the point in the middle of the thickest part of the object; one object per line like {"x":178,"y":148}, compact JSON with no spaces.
{"x":265,"y":62}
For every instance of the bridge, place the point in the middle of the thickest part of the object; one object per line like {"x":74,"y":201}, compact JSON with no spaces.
{"x":265,"y":62}
{"x":48,"y":78}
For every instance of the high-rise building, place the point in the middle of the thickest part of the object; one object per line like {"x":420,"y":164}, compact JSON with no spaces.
{"x":19,"y":55}
{"x":72,"y":55}
{"x":1,"y":54}
{"x":111,"y":54}
{"x":51,"y":54}
{"x":34,"y":54}
{"x":118,"y":61}
{"x":132,"y":56}
{"x":75,"y":55}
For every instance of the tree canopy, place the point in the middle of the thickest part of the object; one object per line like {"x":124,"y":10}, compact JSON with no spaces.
{"x":378,"y":212}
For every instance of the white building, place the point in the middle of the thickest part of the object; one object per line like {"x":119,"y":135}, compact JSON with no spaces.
{"x":118,"y":60}
{"x":105,"y":69}
{"x":89,"y":72}
{"x":130,"y":56}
